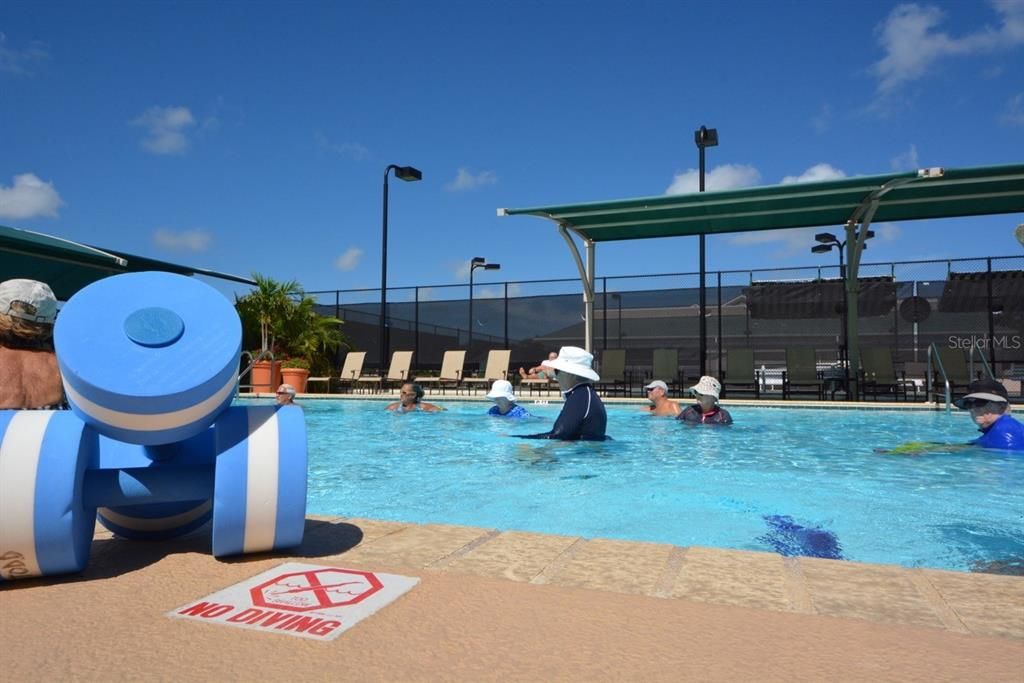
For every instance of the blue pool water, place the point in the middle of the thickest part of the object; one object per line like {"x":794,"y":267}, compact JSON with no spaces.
{"x":788,"y":480}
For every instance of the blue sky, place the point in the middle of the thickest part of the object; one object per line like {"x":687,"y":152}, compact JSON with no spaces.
{"x":253,"y":136}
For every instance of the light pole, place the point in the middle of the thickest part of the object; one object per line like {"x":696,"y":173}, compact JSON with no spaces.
{"x":828,"y":241}
{"x":477,"y":262}
{"x":704,"y":137}
{"x":618,"y":297}
{"x":408,"y":174}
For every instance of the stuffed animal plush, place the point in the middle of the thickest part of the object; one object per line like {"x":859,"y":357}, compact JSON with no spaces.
{"x":29,"y":376}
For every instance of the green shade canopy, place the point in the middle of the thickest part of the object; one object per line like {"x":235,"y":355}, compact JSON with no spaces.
{"x":67,"y":266}
{"x":922,"y":194}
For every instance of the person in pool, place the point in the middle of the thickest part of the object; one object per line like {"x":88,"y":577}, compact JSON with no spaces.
{"x":706,"y":411}
{"x":583,"y":417}
{"x":410,"y":399}
{"x":539,"y":371}
{"x":505,"y":401}
{"x":286,"y":395}
{"x":989,"y":405}
{"x":661,"y":404}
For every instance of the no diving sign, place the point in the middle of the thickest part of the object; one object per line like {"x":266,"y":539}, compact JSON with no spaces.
{"x":302,"y":600}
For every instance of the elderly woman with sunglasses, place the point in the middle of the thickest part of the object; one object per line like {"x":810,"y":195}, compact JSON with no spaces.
{"x":989,"y":405}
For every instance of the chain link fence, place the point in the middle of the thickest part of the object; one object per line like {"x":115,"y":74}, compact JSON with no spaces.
{"x":903,"y":306}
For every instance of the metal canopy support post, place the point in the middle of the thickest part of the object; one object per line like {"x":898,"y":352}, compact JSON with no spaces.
{"x":587,"y":277}
{"x":855,"y":239}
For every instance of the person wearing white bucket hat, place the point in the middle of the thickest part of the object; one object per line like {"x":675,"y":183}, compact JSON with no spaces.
{"x":505,"y":401}
{"x":706,"y":410}
{"x":583,"y":417}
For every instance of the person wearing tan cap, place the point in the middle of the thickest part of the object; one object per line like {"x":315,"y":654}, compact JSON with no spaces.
{"x":29,"y":375}
{"x":661,"y":404}
{"x":706,"y":411}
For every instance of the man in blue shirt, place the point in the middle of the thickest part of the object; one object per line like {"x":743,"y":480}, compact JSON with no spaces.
{"x":505,"y":401}
{"x":989,"y":404}
{"x":583,"y":417}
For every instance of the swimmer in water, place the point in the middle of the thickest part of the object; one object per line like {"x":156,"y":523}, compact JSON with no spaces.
{"x":409,"y":400}
{"x":706,"y":411}
{"x":505,"y":401}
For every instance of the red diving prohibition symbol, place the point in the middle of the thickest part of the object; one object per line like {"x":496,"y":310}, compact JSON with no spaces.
{"x":315,"y":590}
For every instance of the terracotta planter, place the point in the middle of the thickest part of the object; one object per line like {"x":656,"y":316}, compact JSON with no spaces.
{"x":296,"y":377}
{"x":261,"y":378}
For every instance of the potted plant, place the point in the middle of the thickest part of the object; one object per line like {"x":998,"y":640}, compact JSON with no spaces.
{"x":295,"y":371}
{"x":265,"y":308}
{"x":288,"y":326}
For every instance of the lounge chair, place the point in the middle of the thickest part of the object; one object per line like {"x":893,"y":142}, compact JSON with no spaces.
{"x":350,"y":371}
{"x":878,"y":375}
{"x":613,"y":369}
{"x":452,"y":366}
{"x":801,"y":372}
{"x":954,"y":362}
{"x":739,"y":372}
{"x":398,"y":372}
{"x":665,"y":366}
{"x":496,"y":368}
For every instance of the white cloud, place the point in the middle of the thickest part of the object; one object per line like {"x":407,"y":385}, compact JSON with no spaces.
{"x":789,"y":240}
{"x":907,"y":161}
{"x":465,"y":180}
{"x":184,"y":240}
{"x":815,"y":173}
{"x":822,"y":120}
{"x":21,"y":62}
{"x":349,"y":260}
{"x":912,"y":42}
{"x":887,"y":232}
{"x":725,"y":177}
{"x":460,"y":270}
{"x":29,"y":197}
{"x":1013,"y":114}
{"x":352,"y":150}
{"x":165,"y":129}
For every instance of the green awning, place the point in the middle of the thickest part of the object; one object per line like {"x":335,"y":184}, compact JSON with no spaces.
{"x":68,"y":266}
{"x":953,"y":192}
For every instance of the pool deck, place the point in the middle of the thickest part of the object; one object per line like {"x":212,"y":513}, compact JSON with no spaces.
{"x":506,"y":605}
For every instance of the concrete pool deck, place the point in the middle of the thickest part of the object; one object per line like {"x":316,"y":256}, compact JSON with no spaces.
{"x":509,"y":605}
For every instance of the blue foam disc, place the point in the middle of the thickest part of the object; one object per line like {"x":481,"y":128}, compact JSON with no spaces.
{"x":148,"y":358}
{"x":260,"y":484}
{"x":46,"y":527}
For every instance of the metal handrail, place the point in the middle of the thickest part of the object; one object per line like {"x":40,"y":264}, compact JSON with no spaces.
{"x":984,"y":361}
{"x":933,"y":354}
{"x":263,"y":355}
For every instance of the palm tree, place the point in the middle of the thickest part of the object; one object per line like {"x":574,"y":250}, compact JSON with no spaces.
{"x":269,"y":305}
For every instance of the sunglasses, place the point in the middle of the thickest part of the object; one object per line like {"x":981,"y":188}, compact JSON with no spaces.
{"x":975,"y":403}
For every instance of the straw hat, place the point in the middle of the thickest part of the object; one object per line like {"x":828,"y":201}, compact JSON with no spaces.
{"x":502,"y":389}
{"x":575,"y":361}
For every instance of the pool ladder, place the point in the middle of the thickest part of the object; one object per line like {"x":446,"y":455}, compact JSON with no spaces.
{"x":935,"y":360}
{"x":262,"y":355}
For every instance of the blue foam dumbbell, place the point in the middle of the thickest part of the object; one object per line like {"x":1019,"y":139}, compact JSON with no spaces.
{"x":148,"y":361}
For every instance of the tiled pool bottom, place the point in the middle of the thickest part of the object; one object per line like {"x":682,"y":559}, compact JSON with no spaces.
{"x":980,"y":604}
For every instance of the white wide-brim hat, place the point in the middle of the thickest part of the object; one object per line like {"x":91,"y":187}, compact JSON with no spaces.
{"x":708,"y":386}
{"x":575,"y":361}
{"x":502,"y":389}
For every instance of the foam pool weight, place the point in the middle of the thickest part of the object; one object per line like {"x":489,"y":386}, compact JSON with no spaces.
{"x":148,"y":358}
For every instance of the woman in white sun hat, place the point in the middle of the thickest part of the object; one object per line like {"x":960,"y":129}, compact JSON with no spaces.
{"x":583,"y":417}
{"x":706,"y":411}
{"x":505,"y":401}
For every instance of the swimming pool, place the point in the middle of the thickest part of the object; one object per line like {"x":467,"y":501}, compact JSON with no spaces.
{"x":796,"y":481}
